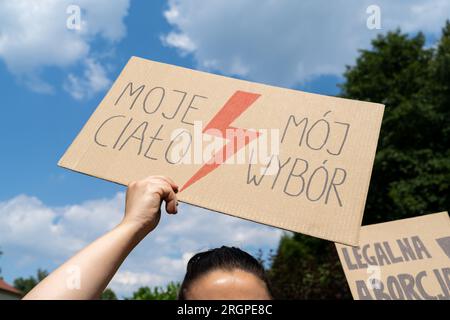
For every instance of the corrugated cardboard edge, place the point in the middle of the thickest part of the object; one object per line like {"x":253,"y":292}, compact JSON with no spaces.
{"x":252,"y":82}
{"x":72,"y":165}
{"x":366,"y":191}
{"x":401,"y":221}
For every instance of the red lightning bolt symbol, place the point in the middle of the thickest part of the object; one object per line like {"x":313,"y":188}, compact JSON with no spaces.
{"x":233,"y":108}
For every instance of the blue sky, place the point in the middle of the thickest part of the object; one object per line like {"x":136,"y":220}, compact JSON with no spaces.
{"x":46,"y":212}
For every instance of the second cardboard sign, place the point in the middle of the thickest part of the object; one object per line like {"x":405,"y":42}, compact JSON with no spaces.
{"x":406,"y":259}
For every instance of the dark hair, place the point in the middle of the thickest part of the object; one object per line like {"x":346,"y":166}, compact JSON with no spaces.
{"x":224,"y":258}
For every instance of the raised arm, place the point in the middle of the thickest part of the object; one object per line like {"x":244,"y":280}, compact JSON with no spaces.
{"x":98,"y":262}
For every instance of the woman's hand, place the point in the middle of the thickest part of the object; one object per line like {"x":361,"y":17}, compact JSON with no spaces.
{"x":143,"y":202}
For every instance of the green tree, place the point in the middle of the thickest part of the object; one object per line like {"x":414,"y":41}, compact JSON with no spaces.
{"x":411,"y":171}
{"x":170,"y":292}
{"x":26,"y":284}
{"x":306,"y":268}
{"x":108,"y":294}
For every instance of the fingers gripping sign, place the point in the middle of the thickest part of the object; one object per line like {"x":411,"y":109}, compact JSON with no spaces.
{"x":144,"y":199}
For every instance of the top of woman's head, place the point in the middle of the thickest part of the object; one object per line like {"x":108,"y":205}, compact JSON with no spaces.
{"x":224,"y":273}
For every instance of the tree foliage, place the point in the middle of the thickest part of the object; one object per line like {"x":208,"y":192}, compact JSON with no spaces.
{"x":26,"y":284}
{"x":170,"y":292}
{"x":108,"y":294}
{"x":411,"y":171}
{"x":306,"y":268}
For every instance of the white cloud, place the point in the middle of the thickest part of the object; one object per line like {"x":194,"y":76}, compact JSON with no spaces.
{"x":180,"y":41}
{"x":31,"y":229}
{"x":287,"y":42}
{"x":34,"y":35}
{"x":94,"y":80}
{"x":25,"y":222}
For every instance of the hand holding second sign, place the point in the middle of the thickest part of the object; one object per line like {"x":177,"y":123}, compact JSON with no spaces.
{"x":144,"y":199}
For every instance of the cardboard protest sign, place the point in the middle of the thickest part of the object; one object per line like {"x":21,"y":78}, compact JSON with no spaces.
{"x":281,"y":157}
{"x":406,"y":259}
